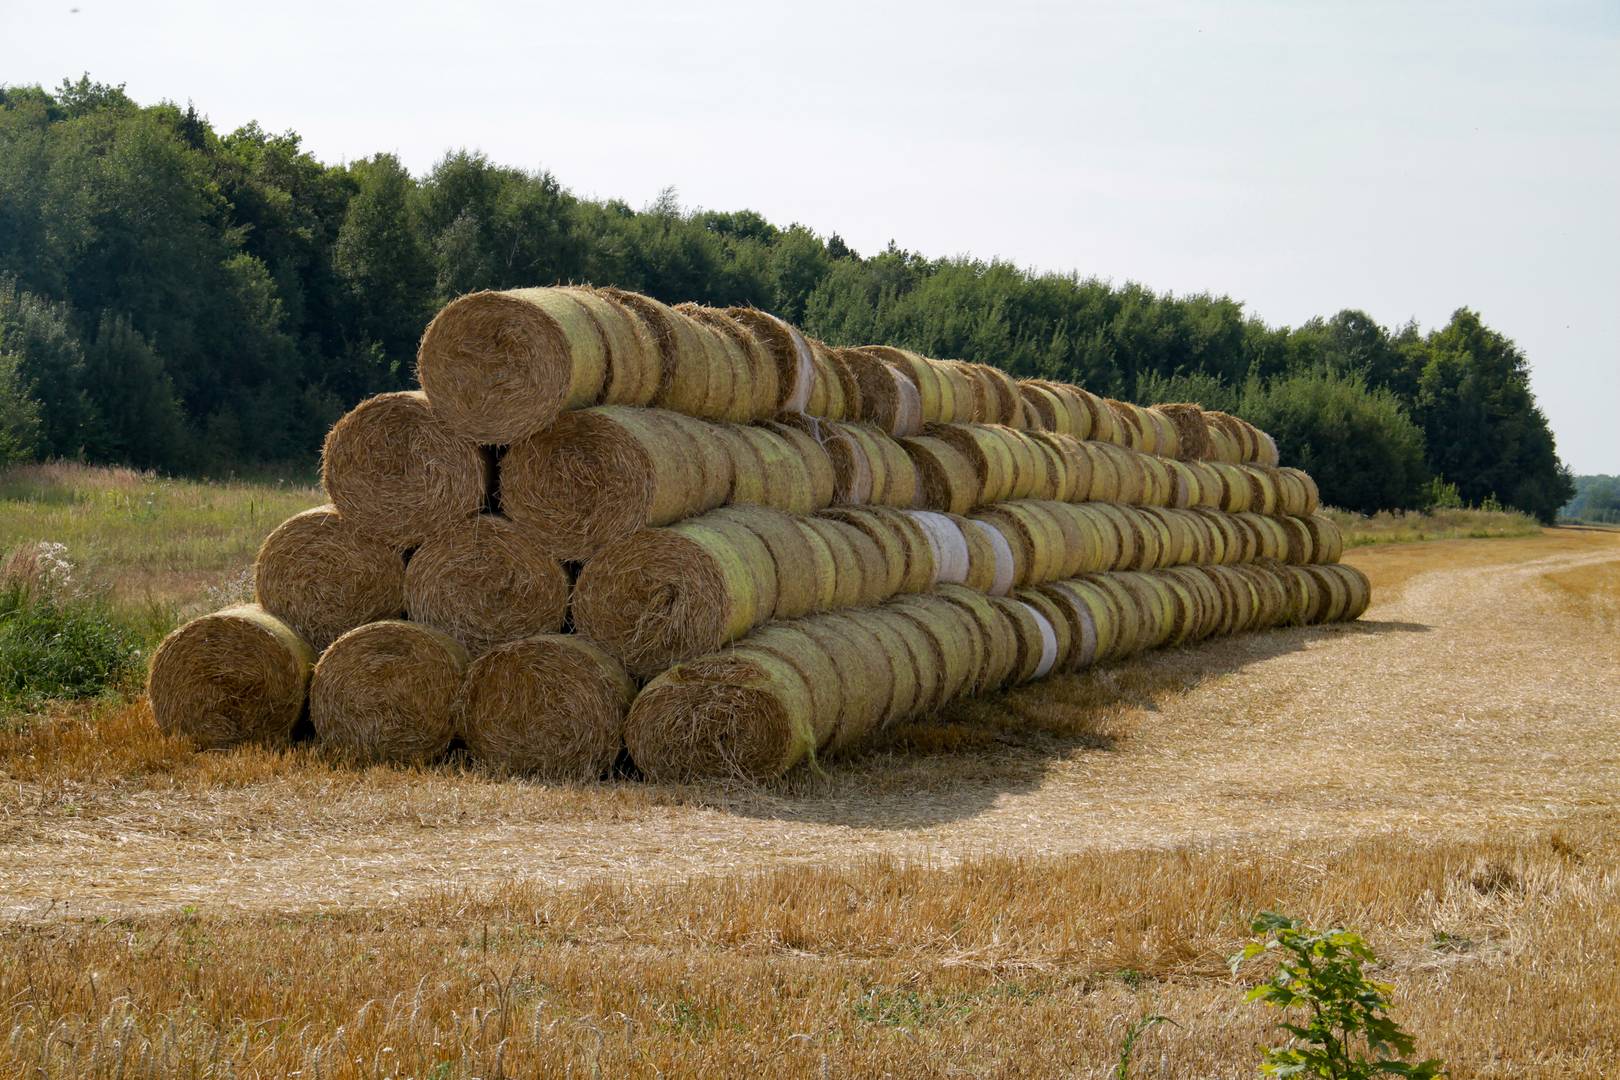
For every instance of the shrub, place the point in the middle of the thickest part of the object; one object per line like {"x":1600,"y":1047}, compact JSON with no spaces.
{"x":56,"y":641}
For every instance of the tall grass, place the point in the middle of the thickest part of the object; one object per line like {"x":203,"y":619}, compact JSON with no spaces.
{"x":1449,"y":523}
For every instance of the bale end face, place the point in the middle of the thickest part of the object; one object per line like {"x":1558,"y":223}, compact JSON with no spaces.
{"x":383,"y":693}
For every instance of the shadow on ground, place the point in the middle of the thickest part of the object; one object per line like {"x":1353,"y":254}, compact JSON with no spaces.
{"x":959,"y":763}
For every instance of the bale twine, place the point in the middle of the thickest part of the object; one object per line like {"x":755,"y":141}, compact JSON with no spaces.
{"x":551,"y":707}
{"x":603,"y":473}
{"x":322,"y":577}
{"x":948,"y":547}
{"x":634,"y":363}
{"x":798,"y":590}
{"x":236,"y":676}
{"x":662,"y":595}
{"x":486,"y":583}
{"x":989,"y":455}
{"x":383,"y":692}
{"x":692,"y":379}
{"x":946,"y":480}
{"x":788,"y":349}
{"x":905,"y":544}
{"x":745,"y":713}
{"x":757,"y":392}
{"x":499,"y":366}
{"x":397,"y":472}
{"x":1063,"y":642}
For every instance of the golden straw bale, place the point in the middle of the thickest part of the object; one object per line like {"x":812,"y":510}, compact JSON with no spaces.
{"x":383,"y":692}
{"x":486,"y":583}
{"x":603,"y":473}
{"x":666,"y":594}
{"x":690,"y":381}
{"x":1312,"y":499}
{"x":1327,"y":541}
{"x":901,"y":538}
{"x":322,"y":577}
{"x":744,"y":713}
{"x":789,"y":642}
{"x":818,"y":468}
{"x":798,"y":589}
{"x":1046,"y":411}
{"x":397,"y":472}
{"x":864,"y":670}
{"x":236,"y":676}
{"x":859,"y":573}
{"x":1192,"y":430}
{"x":990,"y":455}
{"x":1063,"y":643}
{"x":1035,"y":643}
{"x":759,"y":390}
{"x":889,"y":399}
{"x":789,"y":350}
{"x":551,"y":707}
{"x":635,"y":365}
{"x":946,"y":480}
{"x":1003,"y":400}
{"x":499,"y":366}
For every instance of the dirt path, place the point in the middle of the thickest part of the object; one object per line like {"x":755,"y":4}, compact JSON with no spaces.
{"x":1472,"y":698}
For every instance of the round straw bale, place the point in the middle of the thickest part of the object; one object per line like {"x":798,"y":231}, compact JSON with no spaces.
{"x":1333,"y":597}
{"x":1128,"y":424}
{"x":1298,"y":545}
{"x":1090,"y":615}
{"x":947,"y":545}
{"x":383,"y":692}
{"x":1358,"y":588}
{"x":998,"y":555}
{"x":1273,"y":602}
{"x":500,"y":366}
{"x":1098,"y":544}
{"x":822,"y":568}
{"x":1327,"y":541}
{"x":1133,"y":475}
{"x":918,"y":656}
{"x":398,"y":473}
{"x":863,"y":668}
{"x":1089,"y":418}
{"x":1222,"y":446}
{"x":1157,"y":489}
{"x":1267,"y":490}
{"x":550,"y":707}
{"x":743,"y":713}
{"x":1002,"y":400}
{"x":1266,"y":451}
{"x":1072,"y":466}
{"x":903,"y":541}
{"x":789,"y":642}
{"x":788,"y":349}
{"x":894,"y":481}
{"x":954,"y":651}
{"x":322,"y":577}
{"x":1313,"y":497}
{"x":890,"y":546}
{"x":870,"y":630}
{"x":946,"y":479}
{"x":772,"y":471}
{"x":854,"y":472}
{"x":1244,"y":437}
{"x":236,"y":676}
{"x":1103,"y":473}
{"x":635,"y":365}
{"x":1070,"y":553}
{"x":989,"y":455}
{"x":1188,"y":609}
{"x":818,"y":467}
{"x":934,"y":393}
{"x":662,"y":595}
{"x":1049,"y":414}
{"x":757,"y":390}
{"x":798,"y":590}
{"x":1139,"y":544}
{"x":603,"y":473}
{"x":1235,"y":492}
{"x":1036,"y":640}
{"x":486,"y":583}
{"x":730,"y":390}
{"x":1052,"y":468}
{"x":1000,"y":648}
{"x":1209,"y":599}
{"x":1176,"y":542}
{"x":1133,"y":610}
{"x":883,"y":403}
{"x":1157,"y":602}
{"x":833,"y":394}
{"x":1185,"y":490}
{"x":1192,"y":430}
{"x":1301,"y":590}
{"x":1029,"y":467}
{"x":1063,"y":642}
{"x":1210,"y":485}
{"x":858,"y":569}
{"x":1237,"y":598}
{"x":1168,"y":434}
{"x":1116,"y":544}
{"x":690,"y":379}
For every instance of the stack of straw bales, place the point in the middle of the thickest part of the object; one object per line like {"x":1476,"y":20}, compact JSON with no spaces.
{"x":605,"y":525}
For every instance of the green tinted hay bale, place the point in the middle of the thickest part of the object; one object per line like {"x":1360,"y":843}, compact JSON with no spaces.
{"x":788,"y":350}
{"x":236,"y":676}
{"x":889,"y":399}
{"x":601,"y":474}
{"x":1047,"y":412}
{"x":998,"y":648}
{"x":998,"y":556}
{"x":383,"y":692}
{"x":817,"y":466}
{"x":688,"y":380}
{"x":1334,"y":596}
{"x":1098,"y":545}
{"x":1298,"y":546}
{"x":1327,"y":541}
{"x":1072,"y":469}
{"x":946,"y":480}
{"x":1133,"y":610}
{"x":870,"y":629}
{"x":500,"y":366}
{"x":863,"y":668}
{"x":1035,"y":639}
{"x":773,"y":470}
{"x":1133,"y":477}
{"x":839,"y":394}
{"x":854,"y":472}
{"x":1192,"y":430}
{"x":894,"y":482}
{"x":899,"y":536}
{"x":1092,"y":617}
{"x":322,"y":577}
{"x":990,"y":455}
{"x":1301,"y":590}
{"x":798,"y":591}
{"x":634,"y":363}
{"x":1158,"y":488}
{"x":919,"y":658}
{"x":1161,"y":603}
{"x":744,"y":713}
{"x":730,"y":392}
{"x":891,"y":564}
{"x":1312,"y":498}
{"x":1028,"y":465}
{"x":486,"y":583}
{"x":1063,"y":642}
{"x":662,"y":595}
{"x":398,"y":473}
{"x":999,"y":400}
{"x":858,"y":569}
{"x":1051,"y":469}
{"x":832,"y":588}
{"x":763,"y":394}
{"x":789,"y":643}
{"x":1239,"y":596}
{"x":549,"y":707}
{"x":952,"y":656}
{"x":1174,"y":542}
{"x":1073,"y":537}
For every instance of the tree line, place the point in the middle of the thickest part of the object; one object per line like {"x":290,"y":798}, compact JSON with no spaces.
{"x":177,"y":298}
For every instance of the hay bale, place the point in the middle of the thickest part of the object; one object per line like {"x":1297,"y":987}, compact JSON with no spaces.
{"x":798,"y":591}
{"x":322,"y":577}
{"x":1358,"y":588}
{"x":833,"y":394}
{"x":1070,"y":464}
{"x":767,"y":469}
{"x":948,"y":547}
{"x":486,"y":583}
{"x":956,"y":645}
{"x":1185,"y":489}
{"x":789,"y":642}
{"x":946,"y":480}
{"x":397,"y":472}
{"x":896,"y":646}
{"x":1035,"y":640}
{"x":789,"y":350}
{"x":917,"y":656}
{"x":896,"y":484}
{"x":903,"y":541}
{"x":1063,"y":642}
{"x":935,"y":395}
{"x":236,"y":676}
{"x":634,"y":363}
{"x":820,"y":479}
{"x":1157,"y":487}
{"x":987,"y":452}
{"x":1058,"y":520}
{"x":744,"y":713}
{"x":998,"y":398}
{"x":1089,"y":616}
{"x":1042,"y":405}
{"x":859,"y":573}
{"x":880,"y":682}
{"x":662,"y":595}
{"x":821,"y":570}
{"x":757,"y":389}
{"x":551,"y":707}
{"x":500,"y":366}
{"x":1095,"y":546}
{"x":1327,"y":541}
{"x":696,"y":376}
{"x":999,"y":647}
{"x":995,"y":559}
{"x":603,"y":473}
{"x":889,"y":399}
{"x":854,"y":472}
{"x":1192,"y":430}
{"x":1312,"y":499}
{"x":383,"y":693}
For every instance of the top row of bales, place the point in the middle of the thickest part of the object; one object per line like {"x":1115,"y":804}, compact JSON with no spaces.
{"x":501,"y":366}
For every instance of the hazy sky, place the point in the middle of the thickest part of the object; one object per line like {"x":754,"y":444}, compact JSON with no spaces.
{"x":1402,"y":158}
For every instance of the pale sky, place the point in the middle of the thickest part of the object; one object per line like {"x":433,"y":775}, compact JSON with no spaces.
{"x":1401,"y":158}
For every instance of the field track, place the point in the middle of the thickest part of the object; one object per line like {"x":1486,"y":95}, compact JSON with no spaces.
{"x":1476,"y":698}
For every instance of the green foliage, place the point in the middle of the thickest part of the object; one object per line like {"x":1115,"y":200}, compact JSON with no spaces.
{"x":185,"y":299}
{"x":56,"y":642}
{"x":1596,"y":498}
{"x":1143,"y":1024}
{"x":1359,"y":444}
{"x":19,"y":413}
{"x":1338,"y":1022}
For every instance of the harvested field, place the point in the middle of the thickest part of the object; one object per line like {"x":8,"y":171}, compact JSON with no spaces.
{"x":1000,"y":894}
